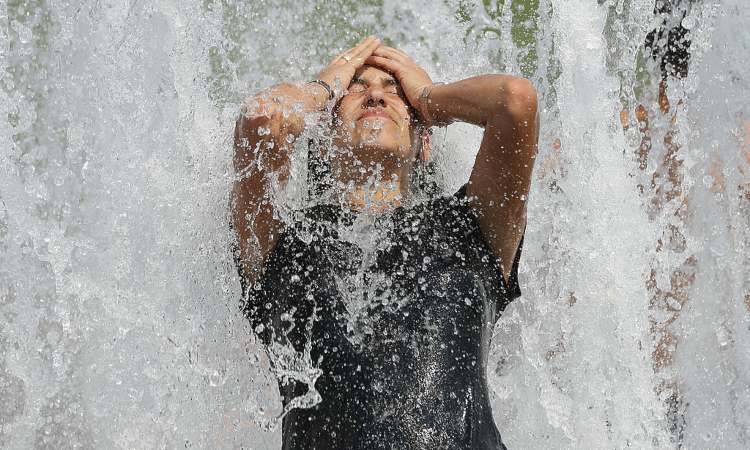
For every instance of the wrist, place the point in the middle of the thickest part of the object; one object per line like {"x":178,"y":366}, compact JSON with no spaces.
{"x":427,"y":106}
{"x":321,"y":92}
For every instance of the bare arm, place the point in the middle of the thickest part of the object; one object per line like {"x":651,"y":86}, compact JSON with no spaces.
{"x":506,"y":107}
{"x":264,"y":135}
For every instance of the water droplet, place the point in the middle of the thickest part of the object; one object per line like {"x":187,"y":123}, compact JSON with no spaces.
{"x":723,"y":337}
{"x":215,"y":379}
{"x":688,"y":22}
{"x":24,"y":33}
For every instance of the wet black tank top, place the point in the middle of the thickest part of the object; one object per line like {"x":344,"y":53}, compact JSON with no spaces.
{"x":400,"y":333}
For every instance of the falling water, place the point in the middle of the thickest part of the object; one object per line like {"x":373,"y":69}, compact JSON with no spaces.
{"x":119,"y":317}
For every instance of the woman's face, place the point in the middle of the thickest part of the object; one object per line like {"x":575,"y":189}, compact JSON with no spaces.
{"x":373,"y":120}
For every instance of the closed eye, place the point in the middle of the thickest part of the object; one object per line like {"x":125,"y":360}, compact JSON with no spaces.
{"x":390,"y":86}
{"x":358,"y":85}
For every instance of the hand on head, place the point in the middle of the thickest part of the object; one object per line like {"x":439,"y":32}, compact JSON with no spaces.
{"x":378,"y":103}
{"x":339,"y":73}
{"x":412,"y":77}
{"x":371,"y":51}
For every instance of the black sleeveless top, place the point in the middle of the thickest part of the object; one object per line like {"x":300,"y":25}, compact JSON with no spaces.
{"x":400,"y":334}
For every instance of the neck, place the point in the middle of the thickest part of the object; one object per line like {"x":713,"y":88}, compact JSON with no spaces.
{"x":379,"y":188}
{"x":375,"y":197}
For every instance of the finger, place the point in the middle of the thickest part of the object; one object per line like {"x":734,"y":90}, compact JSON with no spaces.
{"x":360,"y":59}
{"x":344,"y":58}
{"x":403,"y":53}
{"x":366,"y":41}
{"x":355,"y":61}
{"x":367,"y":50}
{"x":349,"y":54}
{"x":357,"y":55}
{"x":388,"y":52}
{"x":363,"y":44}
{"x":390,"y":65}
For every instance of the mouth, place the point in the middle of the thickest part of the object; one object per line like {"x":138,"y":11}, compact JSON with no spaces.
{"x":375,"y":113}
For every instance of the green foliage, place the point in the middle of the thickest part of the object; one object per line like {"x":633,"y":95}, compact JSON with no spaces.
{"x":343,"y":22}
{"x":26,"y":69}
{"x":323,"y":28}
{"x":524,"y":33}
{"x":463,"y":11}
{"x":524,"y":28}
{"x":494,"y":12}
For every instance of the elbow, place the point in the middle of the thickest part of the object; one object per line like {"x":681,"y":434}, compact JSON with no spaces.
{"x":520,"y":100}
{"x":267,"y":105}
{"x":513,"y":98}
{"x":259,"y":118}
{"x":517,"y":114}
{"x":255,"y":124}
{"x":270,"y":112}
{"x":258,"y":109}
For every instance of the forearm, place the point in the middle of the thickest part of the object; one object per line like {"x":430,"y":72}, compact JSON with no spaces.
{"x":265,"y":132}
{"x":476,"y":100}
{"x":270,"y":121}
{"x":500,"y":179}
{"x":288,"y":103}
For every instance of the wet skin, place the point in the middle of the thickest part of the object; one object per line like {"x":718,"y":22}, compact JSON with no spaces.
{"x":376,"y":136}
{"x":505,"y":106}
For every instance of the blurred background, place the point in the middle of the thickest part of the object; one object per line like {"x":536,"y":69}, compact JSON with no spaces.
{"x":120,"y":323}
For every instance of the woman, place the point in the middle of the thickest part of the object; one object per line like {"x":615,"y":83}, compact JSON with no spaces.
{"x":393,"y":300}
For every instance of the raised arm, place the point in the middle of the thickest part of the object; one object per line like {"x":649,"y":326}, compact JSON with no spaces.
{"x":264,"y":136}
{"x":506,"y":107}
{"x":499,"y":184}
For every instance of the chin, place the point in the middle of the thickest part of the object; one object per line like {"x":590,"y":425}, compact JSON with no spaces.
{"x":382,"y":142}
{"x":380,"y":148}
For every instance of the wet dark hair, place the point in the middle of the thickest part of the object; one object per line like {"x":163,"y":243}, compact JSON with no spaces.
{"x":318,"y":180}
{"x":669,"y":43}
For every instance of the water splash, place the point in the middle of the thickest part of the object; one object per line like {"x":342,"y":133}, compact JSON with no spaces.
{"x":119,"y":324}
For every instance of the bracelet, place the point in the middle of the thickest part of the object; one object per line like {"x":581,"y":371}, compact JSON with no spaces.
{"x":327,"y":87}
{"x":424,"y":98}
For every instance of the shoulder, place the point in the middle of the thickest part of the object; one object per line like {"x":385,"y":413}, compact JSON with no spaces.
{"x":454,"y":211}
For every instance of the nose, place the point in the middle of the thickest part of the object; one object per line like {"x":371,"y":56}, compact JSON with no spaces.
{"x":375,"y":97}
